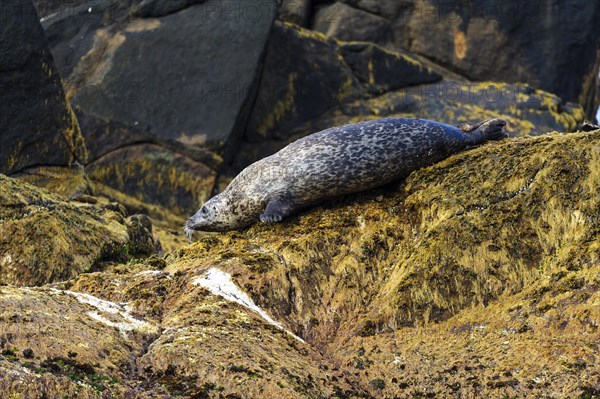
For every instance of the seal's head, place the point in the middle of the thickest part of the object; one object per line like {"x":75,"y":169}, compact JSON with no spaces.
{"x":223,"y":212}
{"x":214,"y":215}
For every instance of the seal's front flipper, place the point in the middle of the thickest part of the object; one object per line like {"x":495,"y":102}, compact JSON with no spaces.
{"x":278,"y":209}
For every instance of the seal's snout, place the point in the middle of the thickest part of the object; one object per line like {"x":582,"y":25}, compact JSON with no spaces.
{"x":189,"y":228}
{"x":191,"y":224}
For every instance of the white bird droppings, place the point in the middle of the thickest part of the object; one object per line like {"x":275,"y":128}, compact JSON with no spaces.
{"x":127,"y":323}
{"x":220,"y":283}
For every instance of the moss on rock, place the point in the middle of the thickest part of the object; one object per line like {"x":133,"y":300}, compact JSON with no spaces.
{"x":46,"y":238}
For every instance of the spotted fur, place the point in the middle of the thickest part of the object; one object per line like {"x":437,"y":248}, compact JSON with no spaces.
{"x":334,"y":162}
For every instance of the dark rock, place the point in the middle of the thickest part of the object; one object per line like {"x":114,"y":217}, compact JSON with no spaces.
{"x":37,"y":126}
{"x":165,"y":82}
{"x":71,"y":30}
{"x":590,"y":97}
{"x":139,"y":229}
{"x":381,"y":71}
{"x":48,"y":7}
{"x":160,"y":8}
{"x":188,"y":75}
{"x":588,"y":127}
{"x":303,"y":76}
{"x":28,"y":353}
{"x":377,"y":383}
{"x":295,"y":11}
{"x":512,"y":41}
{"x":352,"y":24}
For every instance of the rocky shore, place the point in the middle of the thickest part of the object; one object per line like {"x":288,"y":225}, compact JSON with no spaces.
{"x":476,"y":277}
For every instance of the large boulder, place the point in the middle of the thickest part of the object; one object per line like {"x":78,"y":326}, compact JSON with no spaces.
{"x":37,"y":125}
{"x":46,"y":238}
{"x":511,"y":41}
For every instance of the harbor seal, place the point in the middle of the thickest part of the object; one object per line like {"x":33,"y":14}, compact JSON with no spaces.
{"x":334,"y":162}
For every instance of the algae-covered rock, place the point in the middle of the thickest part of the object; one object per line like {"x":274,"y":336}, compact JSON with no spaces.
{"x":68,"y":181}
{"x":45,"y":238}
{"x":470,"y":239}
{"x":57,"y":344}
{"x":211,"y":347}
{"x":475,"y":277}
{"x":156,"y":175}
{"x":442,"y":241}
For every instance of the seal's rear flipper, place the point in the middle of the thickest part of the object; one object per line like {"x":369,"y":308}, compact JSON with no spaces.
{"x":277,"y":209}
{"x":492,"y":129}
{"x":468,"y":127}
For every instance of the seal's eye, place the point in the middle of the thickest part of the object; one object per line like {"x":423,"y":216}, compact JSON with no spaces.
{"x":204,"y":210}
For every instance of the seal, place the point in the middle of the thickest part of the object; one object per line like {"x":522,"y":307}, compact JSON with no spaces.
{"x":334,"y":162}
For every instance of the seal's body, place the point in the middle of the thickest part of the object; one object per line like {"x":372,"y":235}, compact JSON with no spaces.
{"x":334,"y":162}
